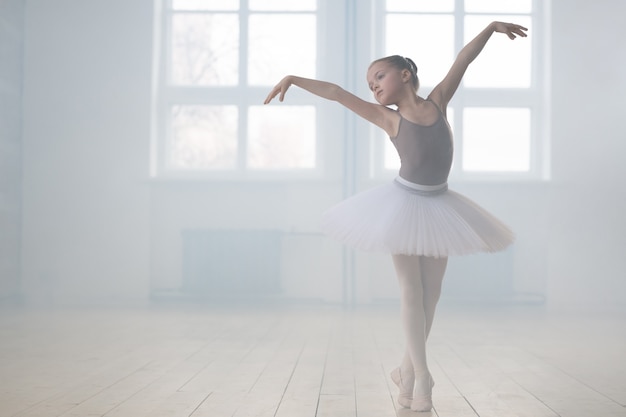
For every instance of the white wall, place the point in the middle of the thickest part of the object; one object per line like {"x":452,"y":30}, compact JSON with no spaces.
{"x":95,"y":228}
{"x":11,"y":49}
{"x":293,"y":207}
{"x":587,"y":229}
{"x":86,"y":150}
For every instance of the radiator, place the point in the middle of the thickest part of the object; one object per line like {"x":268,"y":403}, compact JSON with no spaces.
{"x":481,"y":276}
{"x":231,"y":262}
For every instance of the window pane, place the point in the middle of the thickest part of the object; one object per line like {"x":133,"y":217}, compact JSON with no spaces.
{"x":287,"y":5}
{"x":281,"y":137}
{"x":205,"y":49}
{"x":273,"y":54}
{"x":427,"y":40}
{"x":205,"y":4}
{"x":392,"y":160}
{"x":503,"y":63}
{"x":203,"y":137}
{"x":498,"y":6}
{"x":420,"y":5}
{"x":496,"y":139}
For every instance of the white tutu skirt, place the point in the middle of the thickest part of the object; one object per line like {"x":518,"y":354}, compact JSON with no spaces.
{"x":406,"y":218}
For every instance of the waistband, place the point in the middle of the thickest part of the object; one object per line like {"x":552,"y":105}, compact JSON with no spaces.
{"x":419,"y":188}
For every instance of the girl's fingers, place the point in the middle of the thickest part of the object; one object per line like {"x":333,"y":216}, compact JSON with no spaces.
{"x":512,"y":30}
{"x":280,"y":88}
{"x":520,"y":33}
{"x":271,"y":96}
{"x":520,"y":30}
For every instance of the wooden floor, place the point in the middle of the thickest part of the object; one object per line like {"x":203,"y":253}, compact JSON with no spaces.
{"x":303,"y":362}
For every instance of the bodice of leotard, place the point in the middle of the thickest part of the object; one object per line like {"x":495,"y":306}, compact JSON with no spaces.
{"x":425,"y":151}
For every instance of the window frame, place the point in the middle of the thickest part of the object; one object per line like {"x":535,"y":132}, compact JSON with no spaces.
{"x":348,"y":38}
{"x":167,"y":95}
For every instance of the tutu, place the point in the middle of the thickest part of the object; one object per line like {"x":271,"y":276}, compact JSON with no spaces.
{"x":411,"y":219}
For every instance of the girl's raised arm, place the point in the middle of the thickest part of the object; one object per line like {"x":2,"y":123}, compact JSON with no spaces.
{"x":443,"y":92}
{"x":374,"y":113}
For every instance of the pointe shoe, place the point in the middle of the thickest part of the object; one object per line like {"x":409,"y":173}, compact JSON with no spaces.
{"x":424,"y":402}
{"x":405,"y":396}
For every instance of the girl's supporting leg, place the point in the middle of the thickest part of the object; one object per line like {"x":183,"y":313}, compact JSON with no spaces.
{"x":420,"y":280}
{"x":433,"y":270}
{"x":409,"y":272}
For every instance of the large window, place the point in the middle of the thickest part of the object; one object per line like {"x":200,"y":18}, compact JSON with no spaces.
{"x":219,"y":58}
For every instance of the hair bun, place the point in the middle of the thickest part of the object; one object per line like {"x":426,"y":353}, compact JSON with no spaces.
{"x":411,"y":64}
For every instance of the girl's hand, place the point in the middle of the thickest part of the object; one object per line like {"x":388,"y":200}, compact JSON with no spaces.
{"x":510,"y":29}
{"x":281,"y":88}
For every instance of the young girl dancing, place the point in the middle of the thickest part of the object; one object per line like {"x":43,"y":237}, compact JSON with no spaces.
{"x":415,"y":218}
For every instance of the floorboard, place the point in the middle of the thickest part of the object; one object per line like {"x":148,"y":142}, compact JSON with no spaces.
{"x":314,"y":361}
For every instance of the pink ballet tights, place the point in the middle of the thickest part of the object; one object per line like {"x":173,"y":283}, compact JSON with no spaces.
{"x":420,"y":280}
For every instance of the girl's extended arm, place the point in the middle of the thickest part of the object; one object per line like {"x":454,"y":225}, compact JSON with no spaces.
{"x":444,"y":91}
{"x":372,"y":112}
{"x":323,"y":89}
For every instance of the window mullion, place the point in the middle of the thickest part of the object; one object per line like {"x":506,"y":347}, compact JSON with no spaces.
{"x":477,"y":97}
{"x":160,"y":107}
{"x":244,"y":23}
{"x":458,"y":102}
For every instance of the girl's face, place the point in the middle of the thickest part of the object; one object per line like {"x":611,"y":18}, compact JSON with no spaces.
{"x":385,"y":81}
